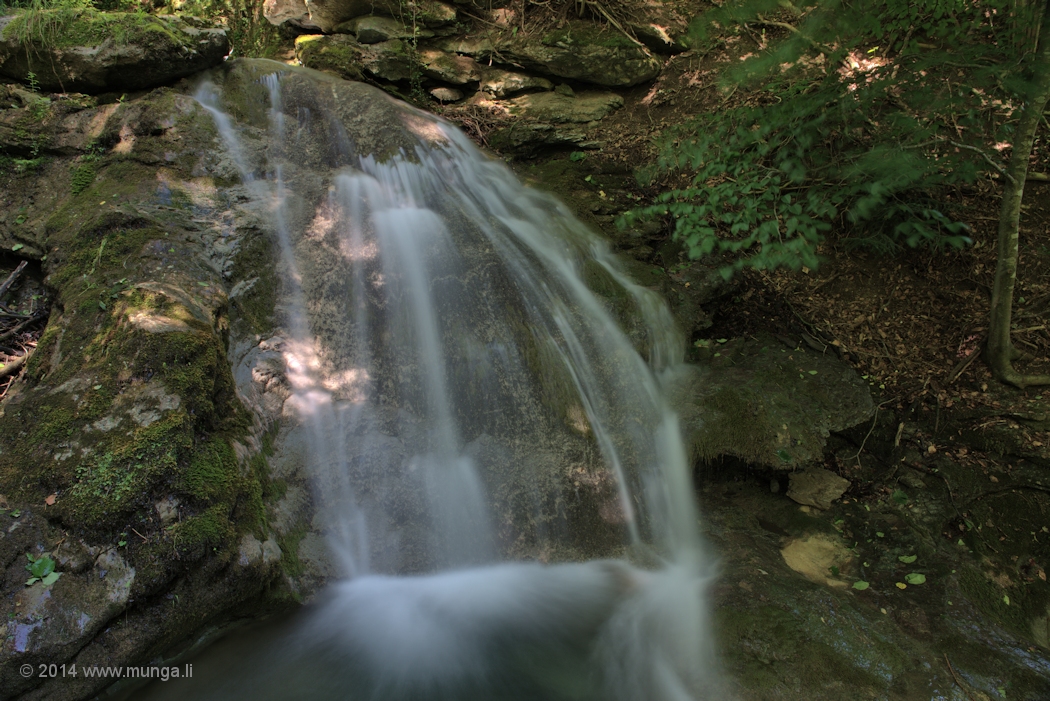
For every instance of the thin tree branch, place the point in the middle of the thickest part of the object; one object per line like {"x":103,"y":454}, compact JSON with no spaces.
{"x":11,"y":367}
{"x":11,"y":278}
{"x":986,"y":157}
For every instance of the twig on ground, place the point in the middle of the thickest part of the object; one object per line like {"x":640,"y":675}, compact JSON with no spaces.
{"x":11,"y":367}
{"x":965,"y":363}
{"x":11,"y":278}
{"x":874,"y":419}
{"x":957,"y":680}
{"x":18,"y":329}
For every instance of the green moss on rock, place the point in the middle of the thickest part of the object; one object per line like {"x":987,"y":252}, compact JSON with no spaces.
{"x":82,"y":49}
{"x":210,"y":531}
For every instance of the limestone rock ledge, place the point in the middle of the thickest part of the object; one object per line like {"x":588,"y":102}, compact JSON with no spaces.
{"x":93,"y":52}
{"x":128,"y":458}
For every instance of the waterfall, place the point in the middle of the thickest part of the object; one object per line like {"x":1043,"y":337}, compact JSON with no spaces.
{"x":495,"y":464}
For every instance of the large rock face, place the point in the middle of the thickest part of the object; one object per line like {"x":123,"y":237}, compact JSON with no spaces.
{"x":583,"y":51}
{"x":325,"y":15}
{"x":126,"y":456}
{"x":130,"y":452}
{"x":770,"y":405}
{"x":94,"y":52}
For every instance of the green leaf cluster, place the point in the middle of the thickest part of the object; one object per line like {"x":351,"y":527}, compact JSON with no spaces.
{"x":869,"y":120}
{"x":42,"y":569}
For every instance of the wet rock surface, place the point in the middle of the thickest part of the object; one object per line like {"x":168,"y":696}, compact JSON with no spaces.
{"x":128,"y":464}
{"x":765,"y":404}
{"x":822,"y":605}
{"x":816,"y":487}
{"x":94,"y":52}
{"x":132,"y":185}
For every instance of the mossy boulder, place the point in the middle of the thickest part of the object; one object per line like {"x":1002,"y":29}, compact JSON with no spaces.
{"x":343,"y":56}
{"x":126,"y":454}
{"x":450,"y":68}
{"x":766,"y":404}
{"x":546,"y":119}
{"x":586,"y":52}
{"x":94,"y":52}
{"x":327,"y":15}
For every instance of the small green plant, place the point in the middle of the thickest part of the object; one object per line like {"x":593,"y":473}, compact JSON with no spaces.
{"x":39,"y":21}
{"x":577,"y":156}
{"x":25,"y":165}
{"x":42,"y":569}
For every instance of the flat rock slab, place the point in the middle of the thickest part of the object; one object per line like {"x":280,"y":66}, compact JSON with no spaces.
{"x":766,"y":404}
{"x":552,"y":119}
{"x":503,"y":84}
{"x":556,"y":108}
{"x":371,"y":29}
{"x":96,"y":52}
{"x":343,"y":56}
{"x":326,"y":15}
{"x":585,"y":52}
{"x":816,"y":487}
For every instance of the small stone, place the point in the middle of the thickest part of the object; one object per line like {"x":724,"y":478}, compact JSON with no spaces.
{"x":271,"y":551}
{"x":774,"y":486}
{"x":167,"y":510}
{"x":816,"y":487}
{"x":446,"y":94}
{"x":501,"y":84}
{"x":564,"y":89}
{"x":250,"y":551}
{"x":450,"y":68}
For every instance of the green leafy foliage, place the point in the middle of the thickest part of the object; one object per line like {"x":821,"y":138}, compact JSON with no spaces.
{"x":42,"y":569}
{"x":864,"y":120}
{"x":39,"y":20}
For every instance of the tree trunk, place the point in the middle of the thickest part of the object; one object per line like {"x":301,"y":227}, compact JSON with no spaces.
{"x":1001,"y":351}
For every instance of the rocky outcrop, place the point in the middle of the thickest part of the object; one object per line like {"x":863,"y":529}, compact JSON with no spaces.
{"x":326,"y":15}
{"x":585,"y":52}
{"x":553,"y":119}
{"x":392,"y":60}
{"x":93,"y":52}
{"x":129,"y":466}
{"x":770,"y":405}
{"x":496,"y":70}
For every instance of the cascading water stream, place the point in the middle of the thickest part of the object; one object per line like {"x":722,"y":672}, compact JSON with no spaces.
{"x":472,"y":409}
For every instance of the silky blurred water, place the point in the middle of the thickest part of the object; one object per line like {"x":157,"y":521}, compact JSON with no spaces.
{"x":496,"y":466}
